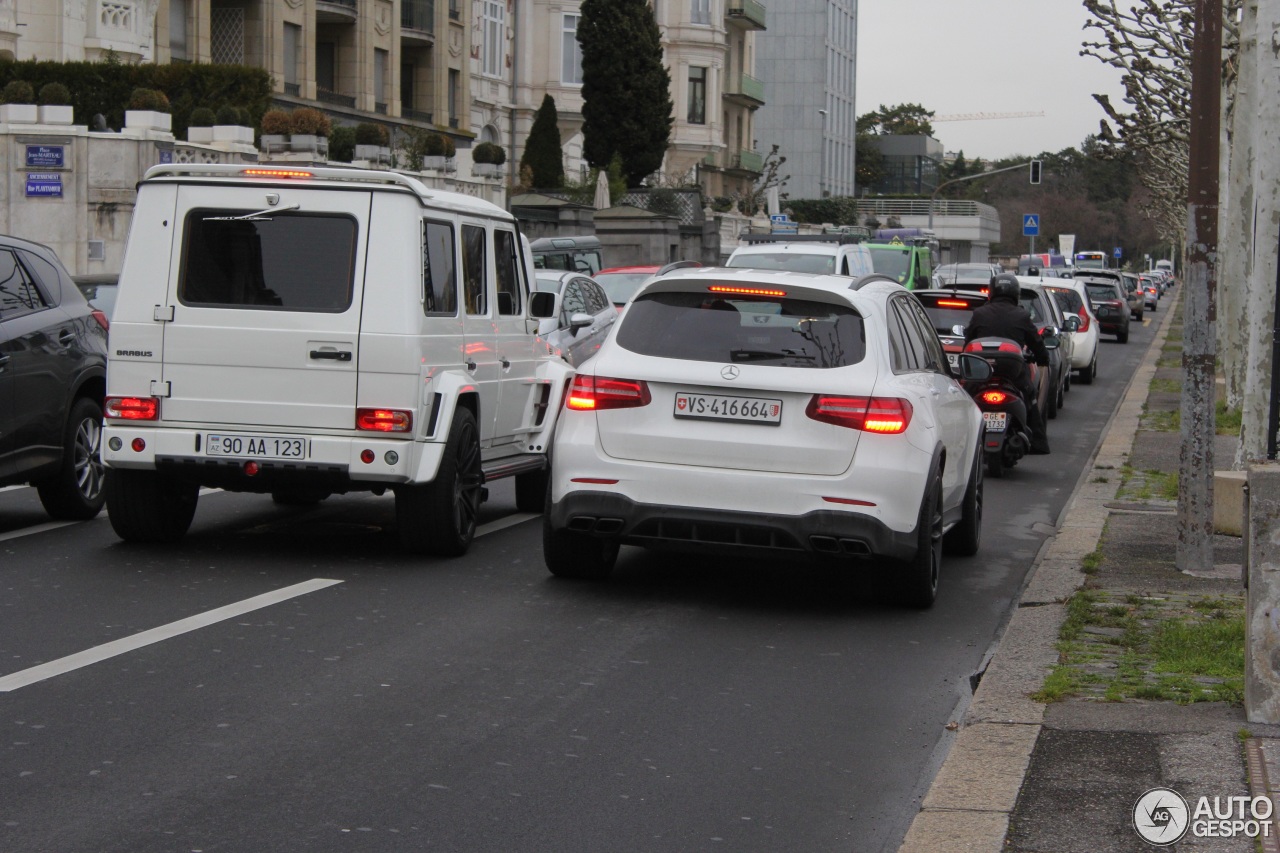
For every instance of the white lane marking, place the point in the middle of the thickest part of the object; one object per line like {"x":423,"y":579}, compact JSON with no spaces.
{"x":36,"y":528}
{"x":505,"y":522}
{"x":155,"y":635}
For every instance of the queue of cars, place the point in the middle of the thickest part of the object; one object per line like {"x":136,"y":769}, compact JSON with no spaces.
{"x":816,"y":412}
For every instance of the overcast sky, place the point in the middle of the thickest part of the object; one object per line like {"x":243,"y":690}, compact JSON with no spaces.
{"x":985,"y":56}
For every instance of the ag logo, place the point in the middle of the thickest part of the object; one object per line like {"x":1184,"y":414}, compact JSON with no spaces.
{"x":1161,"y":816}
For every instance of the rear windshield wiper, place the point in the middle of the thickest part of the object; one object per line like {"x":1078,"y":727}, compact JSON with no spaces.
{"x":252,"y":217}
{"x":752,"y":354}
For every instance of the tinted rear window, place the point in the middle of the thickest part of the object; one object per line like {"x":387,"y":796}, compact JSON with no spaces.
{"x":791,"y":261}
{"x":774,"y":331}
{"x":1102,"y":292}
{"x":287,"y":261}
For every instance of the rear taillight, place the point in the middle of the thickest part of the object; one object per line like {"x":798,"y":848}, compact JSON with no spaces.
{"x":886,"y":415}
{"x":101,"y":319}
{"x":594,"y":393}
{"x":995,"y":398}
{"x":384,"y":420}
{"x":1084,"y":319}
{"x":132,"y":408}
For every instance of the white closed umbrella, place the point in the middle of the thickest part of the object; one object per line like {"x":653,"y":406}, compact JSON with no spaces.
{"x":602,"y":191}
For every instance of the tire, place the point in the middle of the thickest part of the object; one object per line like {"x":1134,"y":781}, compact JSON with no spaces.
{"x":995,"y":465}
{"x":298,"y":497}
{"x":918,"y":579}
{"x":439,"y":518}
{"x":1123,"y":337}
{"x":149,"y":506}
{"x":1062,"y":393}
{"x":1087,"y":375}
{"x":964,"y":539}
{"x":77,"y":492}
{"x":531,"y":490}
{"x":1054,"y":401}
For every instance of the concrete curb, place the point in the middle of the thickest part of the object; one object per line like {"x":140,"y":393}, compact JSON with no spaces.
{"x":968,"y":805}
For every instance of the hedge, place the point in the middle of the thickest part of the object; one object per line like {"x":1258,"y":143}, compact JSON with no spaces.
{"x":106,"y":87}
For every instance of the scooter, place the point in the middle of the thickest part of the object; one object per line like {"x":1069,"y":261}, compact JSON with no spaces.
{"x":1004,"y":411}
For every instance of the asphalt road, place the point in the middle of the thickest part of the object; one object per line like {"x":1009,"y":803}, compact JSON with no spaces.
{"x":479,"y":704}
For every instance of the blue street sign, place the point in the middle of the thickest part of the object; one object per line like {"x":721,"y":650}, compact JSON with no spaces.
{"x":777,"y":217}
{"x":45,"y":156}
{"x":1118,"y":253}
{"x":1030,"y":224}
{"x":47,"y":184}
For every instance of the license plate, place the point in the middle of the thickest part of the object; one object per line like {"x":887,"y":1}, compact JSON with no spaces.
{"x":995,"y":421}
{"x":255,"y":446}
{"x":953,"y":359}
{"x":714,"y":407}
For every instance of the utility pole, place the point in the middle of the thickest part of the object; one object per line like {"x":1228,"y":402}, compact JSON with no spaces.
{"x":1199,"y":341}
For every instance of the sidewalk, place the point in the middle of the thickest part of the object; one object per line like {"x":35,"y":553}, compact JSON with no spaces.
{"x":1062,"y":771}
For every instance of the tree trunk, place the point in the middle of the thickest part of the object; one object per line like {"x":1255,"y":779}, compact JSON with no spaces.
{"x":1265,"y":230}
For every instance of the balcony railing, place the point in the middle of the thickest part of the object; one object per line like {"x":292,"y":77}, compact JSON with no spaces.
{"x":417,"y":115}
{"x":749,"y":161}
{"x":334,"y":98}
{"x":294,"y":89}
{"x":380,"y":107}
{"x":745,"y":87}
{"x":748,"y":12}
{"x":418,"y":15}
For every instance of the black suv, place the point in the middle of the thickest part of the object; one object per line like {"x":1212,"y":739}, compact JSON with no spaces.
{"x":53,"y":364}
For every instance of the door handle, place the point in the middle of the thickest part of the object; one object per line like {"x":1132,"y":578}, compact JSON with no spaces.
{"x":332,"y":355}
{"x":67,"y":337}
{"x":471,"y":365}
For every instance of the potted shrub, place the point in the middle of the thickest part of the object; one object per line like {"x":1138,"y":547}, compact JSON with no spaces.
{"x":342,"y":143}
{"x":371,"y":142}
{"x":19,"y":103}
{"x":228,"y":127}
{"x":488,"y":158}
{"x":200,"y":125}
{"x":55,"y":104}
{"x":276,"y":126}
{"x":309,"y":131}
{"x":437,"y":150}
{"x":148,"y":110}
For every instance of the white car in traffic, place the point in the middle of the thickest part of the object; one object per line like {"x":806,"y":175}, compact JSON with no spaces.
{"x":747,"y":411}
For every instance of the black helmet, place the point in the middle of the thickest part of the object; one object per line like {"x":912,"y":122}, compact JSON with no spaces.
{"x":1005,"y":286}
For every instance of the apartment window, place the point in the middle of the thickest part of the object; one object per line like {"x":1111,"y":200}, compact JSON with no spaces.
{"x":701,"y":13}
{"x":697,"y":95}
{"x":380,"y":59}
{"x":455,"y":79}
{"x":495,"y":40}
{"x":326,"y":64}
{"x":178,"y":30}
{"x":292,"y":54}
{"x":570,"y":52}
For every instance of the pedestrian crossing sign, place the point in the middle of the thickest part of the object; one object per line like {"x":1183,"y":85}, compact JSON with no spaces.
{"x":1030,"y":224}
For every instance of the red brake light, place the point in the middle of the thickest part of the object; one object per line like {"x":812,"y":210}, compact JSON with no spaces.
{"x":746,"y":291}
{"x":132,"y":408}
{"x":594,"y":393}
{"x":384,"y":420}
{"x":276,"y":173}
{"x":887,"y":415}
{"x":101,"y":319}
{"x":952,"y":303}
{"x":993,"y":397}
{"x":985,"y":291}
{"x":1084,"y":319}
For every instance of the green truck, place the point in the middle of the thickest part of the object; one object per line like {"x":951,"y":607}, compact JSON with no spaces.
{"x":904,"y":254}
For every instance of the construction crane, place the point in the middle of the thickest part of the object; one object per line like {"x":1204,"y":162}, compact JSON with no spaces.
{"x":984,"y":116}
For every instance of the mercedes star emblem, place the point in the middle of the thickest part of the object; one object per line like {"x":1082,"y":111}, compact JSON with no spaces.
{"x":729,"y":371}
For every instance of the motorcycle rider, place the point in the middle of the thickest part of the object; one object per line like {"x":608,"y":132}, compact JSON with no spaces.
{"x":1004,"y":317}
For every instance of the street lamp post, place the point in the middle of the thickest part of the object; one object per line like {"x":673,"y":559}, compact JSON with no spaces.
{"x":822,"y":157}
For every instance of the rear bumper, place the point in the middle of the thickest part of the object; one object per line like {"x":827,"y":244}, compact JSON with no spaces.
{"x":1112,"y":326}
{"x":822,"y":532}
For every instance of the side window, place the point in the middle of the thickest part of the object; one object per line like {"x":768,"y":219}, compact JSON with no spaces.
{"x":47,"y":274}
{"x":934,"y":357}
{"x":901,"y":347}
{"x":596,"y":298}
{"x":507,"y":264}
{"x":474,"y":270}
{"x":574,"y":302}
{"x":844,"y":266}
{"x":439,"y":269}
{"x":18,"y":292}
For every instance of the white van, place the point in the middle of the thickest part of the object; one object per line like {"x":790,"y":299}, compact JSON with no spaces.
{"x":823,"y":254}
{"x":311,"y":331}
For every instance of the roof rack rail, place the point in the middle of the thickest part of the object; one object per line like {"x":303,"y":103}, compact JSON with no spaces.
{"x":842,"y":239}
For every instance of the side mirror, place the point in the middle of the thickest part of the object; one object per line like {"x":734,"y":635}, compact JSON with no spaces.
{"x":1049,"y":334}
{"x":973,"y":368}
{"x":579,"y":321}
{"x":542,"y":304}
{"x":1073,"y":323}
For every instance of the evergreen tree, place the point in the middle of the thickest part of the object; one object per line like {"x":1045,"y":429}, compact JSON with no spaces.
{"x":542,"y":152}
{"x":626,"y":90}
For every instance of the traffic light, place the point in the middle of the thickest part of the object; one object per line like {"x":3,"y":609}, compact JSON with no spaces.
{"x":1035,"y":171}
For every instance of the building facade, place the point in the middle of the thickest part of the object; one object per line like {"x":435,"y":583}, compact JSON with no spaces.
{"x":807,"y":60}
